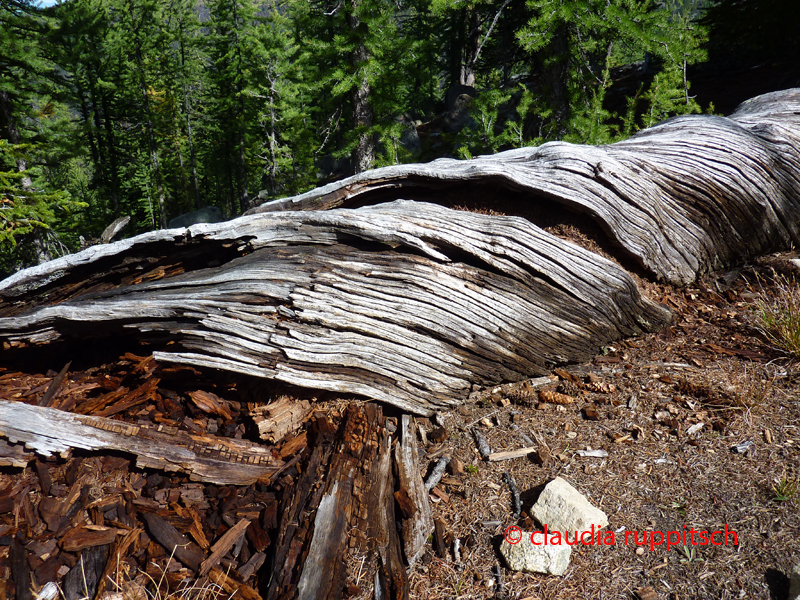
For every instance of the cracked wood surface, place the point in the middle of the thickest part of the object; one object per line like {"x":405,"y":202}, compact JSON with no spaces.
{"x":223,"y":461}
{"x":409,"y":303}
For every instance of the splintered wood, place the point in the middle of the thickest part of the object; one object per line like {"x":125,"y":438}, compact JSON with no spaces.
{"x":276,"y":420}
{"x":352,"y":512}
{"x":207,"y":458}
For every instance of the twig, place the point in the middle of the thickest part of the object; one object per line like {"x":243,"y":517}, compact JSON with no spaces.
{"x":483,"y":444}
{"x":437,"y":473}
{"x":491,"y":414}
{"x":516,"y":503}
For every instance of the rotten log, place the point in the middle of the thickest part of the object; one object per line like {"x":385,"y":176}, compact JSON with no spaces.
{"x":208,"y":458}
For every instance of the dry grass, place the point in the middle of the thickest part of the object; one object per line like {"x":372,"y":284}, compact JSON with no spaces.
{"x":779,"y":313}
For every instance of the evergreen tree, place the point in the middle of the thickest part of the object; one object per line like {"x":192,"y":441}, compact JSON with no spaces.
{"x":578,"y":42}
{"x":32,"y":212}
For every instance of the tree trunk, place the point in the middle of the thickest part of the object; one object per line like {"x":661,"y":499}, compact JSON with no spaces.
{"x":556,"y":77}
{"x":151,"y":138}
{"x":8,"y":129}
{"x":363,"y":155}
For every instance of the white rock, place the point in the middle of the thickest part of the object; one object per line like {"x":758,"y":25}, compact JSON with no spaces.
{"x":563,"y":508}
{"x":794,"y":583}
{"x":530,"y":558}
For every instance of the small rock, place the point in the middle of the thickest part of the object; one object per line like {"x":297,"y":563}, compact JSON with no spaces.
{"x":563,"y":508}
{"x":741,"y":448}
{"x":529,"y":558}
{"x":640,"y":550}
{"x":794,"y":583}
{"x":694,"y":428}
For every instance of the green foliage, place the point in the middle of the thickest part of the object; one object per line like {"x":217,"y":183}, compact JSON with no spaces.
{"x":153,"y":108}
{"x":27,"y":211}
{"x":785,"y":487}
{"x":579,"y":43}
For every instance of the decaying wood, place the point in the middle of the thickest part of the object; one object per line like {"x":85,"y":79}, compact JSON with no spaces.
{"x":176,"y":543}
{"x":223,"y":545}
{"x":276,"y":420}
{"x":436,"y":301}
{"x":411,"y":495}
{"x":206,"y":458}
{"x":687,"y":195}
{"x":351,"y":511}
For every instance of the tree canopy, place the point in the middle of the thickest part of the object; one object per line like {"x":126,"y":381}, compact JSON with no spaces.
{"x":150,"y":109}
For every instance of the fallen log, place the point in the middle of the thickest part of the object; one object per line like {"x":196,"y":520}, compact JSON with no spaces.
{"x":415,"y":304}
{"x":690,"y":194}
{"x":407,"y":303}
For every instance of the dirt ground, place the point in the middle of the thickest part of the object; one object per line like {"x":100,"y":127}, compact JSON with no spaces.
{"x":668,"y":408}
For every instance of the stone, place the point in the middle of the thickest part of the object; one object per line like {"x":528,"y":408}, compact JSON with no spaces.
{"x":794,"y":583}
{"x":563,"y":508}
{"x":528,"y":557}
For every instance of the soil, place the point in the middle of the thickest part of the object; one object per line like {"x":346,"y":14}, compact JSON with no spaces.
{"x":669,"y":409}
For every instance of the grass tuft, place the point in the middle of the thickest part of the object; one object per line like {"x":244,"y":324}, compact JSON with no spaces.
{"x":779,"y":316}
{"x":785,"y":488}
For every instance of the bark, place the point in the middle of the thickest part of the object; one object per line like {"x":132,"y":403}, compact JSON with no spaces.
{"x":364,"y":153}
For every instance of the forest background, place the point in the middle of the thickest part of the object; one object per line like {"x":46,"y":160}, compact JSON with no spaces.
{"x":153,"y":108}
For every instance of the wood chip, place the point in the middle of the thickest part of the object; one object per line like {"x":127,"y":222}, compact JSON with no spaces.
{"x":509,"y":454}
{"x":223,"y":545}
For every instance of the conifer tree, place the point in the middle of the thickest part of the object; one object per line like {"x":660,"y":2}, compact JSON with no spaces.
{"x":31,"y":211}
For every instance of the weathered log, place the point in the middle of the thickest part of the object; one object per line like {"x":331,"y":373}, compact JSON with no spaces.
{"x":206,"y":458}
{"x":423,"y":303}
{"x":690,"y":194}
{"x":414,"y":304}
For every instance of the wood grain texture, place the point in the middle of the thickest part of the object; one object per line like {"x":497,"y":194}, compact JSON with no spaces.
{"x":209,"y":458}
{"x":409,"y":303}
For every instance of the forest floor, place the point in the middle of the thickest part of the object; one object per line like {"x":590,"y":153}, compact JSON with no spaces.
{"x":667,"y":407}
